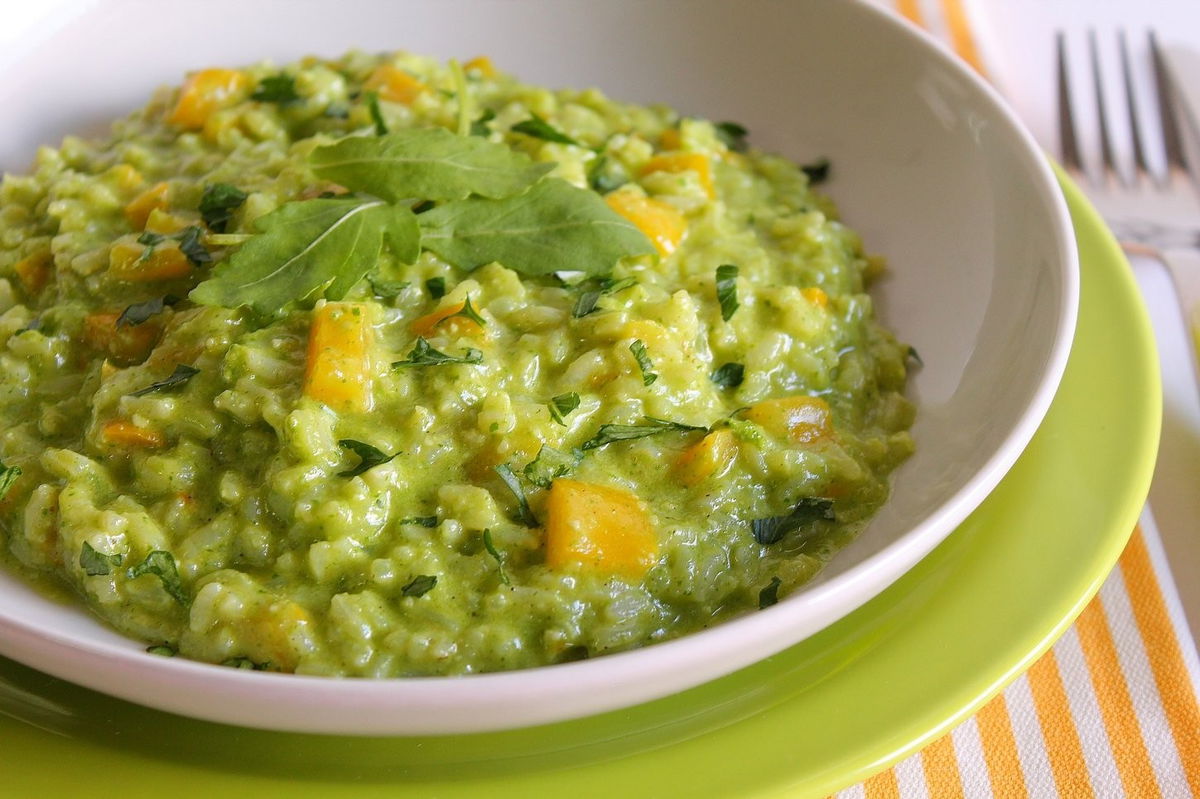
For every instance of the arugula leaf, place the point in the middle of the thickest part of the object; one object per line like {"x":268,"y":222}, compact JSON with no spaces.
{"x":436,"y":286}
{"x":368,"y":457}
{"x":727,"y":290}
{"x":372,"y":100}
{"x":729,"y":375}
{"x":733,"y":135}
{"x":537,"y":127}
{"x":424,"y":355}
{"x":140,"y":312}
{"x":95,"y":563}
{"x":426,"y":163}
{"x":491,"y":550}
{"x":554,"y":226}
{"x":386,"y":289}
{"x":279,"y":88}
{"x":594,"y":289}
{"x":420,"y":585}
{"x":514,"y":485}
{"x":189,"y":245}
{"x":162,"y":650}
{"x":915,"y":356}
{"x":769,"y":595}
{"x":162,"y":565}
{"x":420,"y":521}
{"x":179,"y":377}
{"x":817,"y":171}
{"x":480,"y":126}
{"x":562,"y":405}
{"x":304,"y":247}
{"x":643,"y":361}
{"x":608,"y":433}
{"x":8,"y":477}
{"x":218,"y":203}
{"x":772,"y":529}
{"x":549,"y":464}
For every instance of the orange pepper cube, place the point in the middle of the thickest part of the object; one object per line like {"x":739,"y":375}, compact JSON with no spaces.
{"x":337,"y":370}
{"x":33,"y":272}
{"x":684,"y":162}
{"x":129,"y":261}
{"x":816,"y":296}
{"x":152,"y":199}
{"x":127,"y":434}
{"x":444,"y":320}
{"x":601,"y":528}
{"x":481,"y":65}
{"x":803,"y":419}
{"x":661,"y":223}
{"x":205,"y":93}
{"x":394,"y":84}
{"x":711,"y":456}
{"x":126,"y":344}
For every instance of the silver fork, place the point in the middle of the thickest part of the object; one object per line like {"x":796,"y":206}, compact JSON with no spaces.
{"x":1155,"y":213}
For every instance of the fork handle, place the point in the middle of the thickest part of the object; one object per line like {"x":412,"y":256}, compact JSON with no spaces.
{"x":1184,"y":266}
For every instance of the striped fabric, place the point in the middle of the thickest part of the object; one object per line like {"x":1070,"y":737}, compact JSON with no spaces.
{"x":1111,"y":710}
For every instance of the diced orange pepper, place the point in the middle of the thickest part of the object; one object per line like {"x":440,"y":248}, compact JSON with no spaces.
{"x":127,"y":434}
{"x":684,"y":162}
{"x":661,"y":223}
{"x":816,"y":296}
{"x":603,"y":529}
{"x":711,"y":456}
{"x":394,"y":84}
{"x":481,"y":64}
{"x":139,"y":209}
{"x":671,"y":139}
{"x":164,"y":223}
{"x":801,"y":418}
{"x":337,"y":370}
{"x":206,"y":92}
{"x":126,"y":344}
{"x":165,"y":262}
{"x":443,"y":319}
{"x":33,"y":271}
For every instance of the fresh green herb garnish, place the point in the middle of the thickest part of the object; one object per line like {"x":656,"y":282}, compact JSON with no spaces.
{"x":386,"y":289}
{"x":643,"y":361}
{"x":162,"y":650}
{"x":594,"y":289}
{"x":772,"y":529}
{"x":420,"y":521}
{"x":733,"y":135}
{"x":769,"y":595}
{"x":539,"y":128}
{"x":279,"y":88}
{"x":514,"y":485}
{"x":371,"y":98}
{"x":817,"y":171}
{"x":95,"y":563}
{"x":162,"y":565}
{"x":189,"y":245}
{"x":427,"y":163}
{"x":549,"y":464}
{"x":915,"y":356}
{"x":424,"y":355}
{"x":608,"y":433}
{"x":729,"y":375}
{"x":480,"y":127}
{"x":551,"y":227}
{"x":436,"y":286}
{"x":495,"y":553}
{"x":562,"y":405}
{"x":368,"y":457}
{"x":727,"y":290}
{"x":8,"y":477}
{"x":140,"y":312}
{"x":218,"y":203}
{"x":179,"y":377}
{"x":304,"y":247}
{"x":467,"y":311}
{"x":420,"y":585}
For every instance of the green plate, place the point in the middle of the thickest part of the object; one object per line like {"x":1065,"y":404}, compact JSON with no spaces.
{"x":858,"y":696}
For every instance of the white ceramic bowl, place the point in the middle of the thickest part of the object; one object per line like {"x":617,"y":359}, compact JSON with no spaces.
{"x":928,"y":165}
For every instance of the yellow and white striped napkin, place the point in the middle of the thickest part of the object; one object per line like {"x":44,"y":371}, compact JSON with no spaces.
{"x":1111,"y":710}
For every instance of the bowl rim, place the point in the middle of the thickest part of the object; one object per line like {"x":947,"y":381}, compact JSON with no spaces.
{"x":526,"y":697}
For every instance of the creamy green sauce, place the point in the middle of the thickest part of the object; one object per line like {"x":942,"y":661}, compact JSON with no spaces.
{"x":178,"y":475}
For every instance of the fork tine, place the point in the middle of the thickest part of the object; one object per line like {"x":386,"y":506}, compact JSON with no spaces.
{"x":1172,"y":142}
{"x":1135,"y":129}
{"x":1106,"y":147}
{"x":1068,"y":140}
